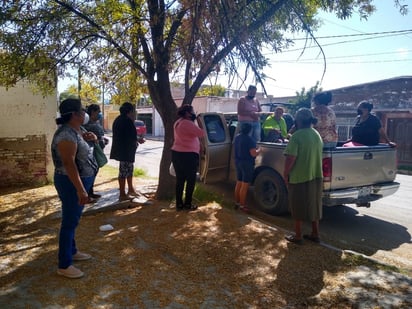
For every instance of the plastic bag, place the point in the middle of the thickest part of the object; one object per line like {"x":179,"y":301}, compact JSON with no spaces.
{"x":172,"y":171}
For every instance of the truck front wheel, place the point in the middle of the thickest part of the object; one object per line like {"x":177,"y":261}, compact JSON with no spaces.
{"x":271,"y":193}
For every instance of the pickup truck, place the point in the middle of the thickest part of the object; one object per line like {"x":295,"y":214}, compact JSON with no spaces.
{"x":351,"y":175}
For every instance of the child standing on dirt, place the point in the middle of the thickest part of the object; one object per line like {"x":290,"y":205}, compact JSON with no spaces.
{"x":245,"y":153}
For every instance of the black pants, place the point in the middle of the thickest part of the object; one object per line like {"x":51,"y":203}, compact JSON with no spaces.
{"x":186,"y":165}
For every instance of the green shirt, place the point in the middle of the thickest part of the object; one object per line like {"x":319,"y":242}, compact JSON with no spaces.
{"x":272,"y":123}
{"x":306,"y":145}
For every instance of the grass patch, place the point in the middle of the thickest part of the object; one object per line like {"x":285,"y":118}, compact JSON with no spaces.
{"x":351,"y":259}
{"x":138,"y":172}
{"x":205,"y":196}
{"x":113,"y":172}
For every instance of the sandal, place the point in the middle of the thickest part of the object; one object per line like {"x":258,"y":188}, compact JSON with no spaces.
{"x":293,"y":239}
{"x":312,"y":238}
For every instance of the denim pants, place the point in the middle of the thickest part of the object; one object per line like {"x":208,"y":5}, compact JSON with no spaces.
{"x":71,"y":213}
{"x":256,"y":129}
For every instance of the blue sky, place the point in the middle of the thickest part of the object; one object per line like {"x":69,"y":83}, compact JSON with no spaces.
{"x":360,"y":59}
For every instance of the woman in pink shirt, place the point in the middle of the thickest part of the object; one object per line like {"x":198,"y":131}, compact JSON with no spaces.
{"x":185,"y":155}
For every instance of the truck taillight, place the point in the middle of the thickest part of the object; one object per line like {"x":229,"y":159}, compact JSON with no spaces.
{"x":327,"y":169}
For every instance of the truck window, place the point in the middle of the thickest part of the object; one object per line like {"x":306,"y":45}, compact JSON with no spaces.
{"x":214,"y":128}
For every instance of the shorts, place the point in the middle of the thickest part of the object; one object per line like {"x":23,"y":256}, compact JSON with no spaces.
{"x":126,"y":169}
{"x":244,"y":171}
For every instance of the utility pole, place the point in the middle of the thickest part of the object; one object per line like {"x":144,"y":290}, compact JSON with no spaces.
{"x":103,"y":105}
{"x":79,"y":81}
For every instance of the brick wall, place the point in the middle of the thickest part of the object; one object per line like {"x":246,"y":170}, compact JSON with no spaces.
{"x":27,"y":125}
{"x":23,"y":161}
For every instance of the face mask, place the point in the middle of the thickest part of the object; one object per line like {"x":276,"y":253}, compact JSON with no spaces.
{"x":359,"y":112}
{"x":250,"y":97}
{"x":192,"y":117}
{"x":99,"y":116}
{"x":86,"y":118}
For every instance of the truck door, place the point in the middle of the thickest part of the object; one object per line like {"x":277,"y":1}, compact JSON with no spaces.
{"x":216,"y":146}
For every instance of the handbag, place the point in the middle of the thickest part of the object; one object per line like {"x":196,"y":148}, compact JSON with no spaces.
{"x":99,"y":155}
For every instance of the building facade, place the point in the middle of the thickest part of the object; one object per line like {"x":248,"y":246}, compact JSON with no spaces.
{"x":27,"y":124}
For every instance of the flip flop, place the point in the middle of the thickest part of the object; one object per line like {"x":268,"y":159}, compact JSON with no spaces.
{"x":311,"y":238}
{"x":293,"y":239}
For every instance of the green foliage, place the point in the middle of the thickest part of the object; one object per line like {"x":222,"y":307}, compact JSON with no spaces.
{"x":89,"y":93}
{"x":130,"y":45}
{"x":215,"y":90}
{"x":303,"y":98}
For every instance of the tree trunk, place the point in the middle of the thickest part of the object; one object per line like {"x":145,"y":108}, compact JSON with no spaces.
{"x":166,"y":186}
{"x":166,"y":106}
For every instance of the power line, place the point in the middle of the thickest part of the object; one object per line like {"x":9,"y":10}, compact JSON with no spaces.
{"x":397,"y":32}
{"x":343,"y":62}
{"x":336,"y":43}
{"x":350,"y":56}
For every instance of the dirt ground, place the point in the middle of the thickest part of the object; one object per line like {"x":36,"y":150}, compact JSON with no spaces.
{"x":156,"y":257}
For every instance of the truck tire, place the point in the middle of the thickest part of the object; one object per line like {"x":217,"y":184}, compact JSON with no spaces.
{"x":270,"y":193}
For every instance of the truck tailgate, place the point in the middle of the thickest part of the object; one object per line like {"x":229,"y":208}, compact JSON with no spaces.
{"x":361,"y":166}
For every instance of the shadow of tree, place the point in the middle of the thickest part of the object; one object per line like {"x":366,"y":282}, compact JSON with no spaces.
{"x":157,"y":258}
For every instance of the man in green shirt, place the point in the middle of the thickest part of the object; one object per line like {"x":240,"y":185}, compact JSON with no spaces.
{"x":274,"y":127}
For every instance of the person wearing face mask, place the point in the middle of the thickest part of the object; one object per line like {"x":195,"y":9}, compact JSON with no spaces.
{"x":248,"y":109}
{"x":185,"y":155}
{"x":93,"y":125}
{"x":95,"y":116}
{"x":75,"y":170}
{"x":124,"y":146}
{"x":368,"y":130}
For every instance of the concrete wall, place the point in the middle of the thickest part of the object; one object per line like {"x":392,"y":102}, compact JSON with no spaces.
{"x":27,"y":125}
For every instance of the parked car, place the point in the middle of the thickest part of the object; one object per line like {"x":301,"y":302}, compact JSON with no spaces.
{"x":140,"y":127}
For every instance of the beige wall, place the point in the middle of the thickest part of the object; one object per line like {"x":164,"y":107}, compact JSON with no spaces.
{"x":27,"y":125}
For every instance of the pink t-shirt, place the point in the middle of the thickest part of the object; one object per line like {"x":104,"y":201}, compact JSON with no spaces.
{"x":246,"y":109}
{"x":186,"y":136}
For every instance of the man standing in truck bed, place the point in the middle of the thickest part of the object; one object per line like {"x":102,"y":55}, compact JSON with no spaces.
{"x":248,"y":109}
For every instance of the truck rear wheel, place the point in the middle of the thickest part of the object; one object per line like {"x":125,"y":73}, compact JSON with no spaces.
{"x":271,"y":193}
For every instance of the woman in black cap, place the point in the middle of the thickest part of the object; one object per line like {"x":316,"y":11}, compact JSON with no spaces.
{"x":75,"y":169}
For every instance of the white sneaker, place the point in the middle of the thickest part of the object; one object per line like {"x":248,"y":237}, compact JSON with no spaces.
{"x":70,"y":272}
{"x":80,"y":256}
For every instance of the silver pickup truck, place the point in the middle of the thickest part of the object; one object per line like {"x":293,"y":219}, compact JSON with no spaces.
{"x":351,"y":175}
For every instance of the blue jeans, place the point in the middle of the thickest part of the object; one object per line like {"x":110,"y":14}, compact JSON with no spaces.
{"x":71,"y":213}
{"x":256,"y":130}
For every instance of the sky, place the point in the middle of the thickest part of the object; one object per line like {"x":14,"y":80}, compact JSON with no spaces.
{"x":350,"y":60}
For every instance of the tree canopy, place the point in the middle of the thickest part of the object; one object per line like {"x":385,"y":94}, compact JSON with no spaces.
{"x":89,"y":93}
{"x":154,"y":42}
